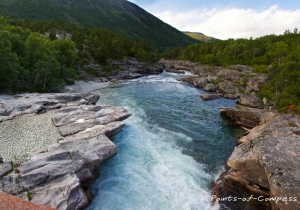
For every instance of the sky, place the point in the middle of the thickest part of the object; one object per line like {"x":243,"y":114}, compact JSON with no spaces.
{"x":227,"y":18}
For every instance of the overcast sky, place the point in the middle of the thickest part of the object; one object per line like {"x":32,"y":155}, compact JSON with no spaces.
{"x":227,"y":18}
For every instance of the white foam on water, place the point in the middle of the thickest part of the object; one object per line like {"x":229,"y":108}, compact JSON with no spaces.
{"x":158,"y":167}
{"x":150,"y":171}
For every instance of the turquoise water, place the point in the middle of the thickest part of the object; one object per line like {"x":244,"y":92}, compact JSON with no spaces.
{"x":170,"y":150}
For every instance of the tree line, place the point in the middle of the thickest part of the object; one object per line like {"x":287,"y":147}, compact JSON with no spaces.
{"x":33,"y":58}
{"x":275,"y":55}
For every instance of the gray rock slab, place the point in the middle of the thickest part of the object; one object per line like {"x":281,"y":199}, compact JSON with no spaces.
{"x":23,"y":136}
{"x":64,"y":193}
{"x":5,"y":168}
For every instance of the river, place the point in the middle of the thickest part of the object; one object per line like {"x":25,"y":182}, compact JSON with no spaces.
{"x":170,"y":150}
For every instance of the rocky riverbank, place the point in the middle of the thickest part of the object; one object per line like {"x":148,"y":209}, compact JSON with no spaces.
{"x":265,"y":164}
{"x":236,"y":81}
{"x":266,"y":161}
{"x":52,"y":144}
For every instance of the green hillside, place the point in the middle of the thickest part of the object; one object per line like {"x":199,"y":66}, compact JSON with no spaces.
{"x":200,"y":36}
{"x":120,"y":16}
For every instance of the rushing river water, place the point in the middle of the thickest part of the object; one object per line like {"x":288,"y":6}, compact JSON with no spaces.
{"x":170,"y":150}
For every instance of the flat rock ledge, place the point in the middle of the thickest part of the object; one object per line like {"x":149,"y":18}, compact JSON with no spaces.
{"x":266,"y":162}
{"x":58,"y":172}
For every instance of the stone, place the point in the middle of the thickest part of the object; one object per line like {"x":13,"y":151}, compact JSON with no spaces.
{"x":188,"y":79}
{"x":241,"y":68}
{"x":231,"y":96}
{"x":1,"y":159}
{"x":86,"y":177}
{"x":200,"y":82}
{"x":210,"y":87}
{"x":175,"y":71}
{"x":103,"y":79}
{"x":71,"y":156}
{"x":250,"y":89}
{"x":210,"y":96}
{"x":5,"y":168}
{"x":268,"y":102}
{"x":227,"y":87}
{"x":26,"y":104}
{"x":63,"y":193}
{"x":73,"y":120}
{"x":257,"y":80}
{"x":247,"y":117}
{"x":22,"y":136}
{"x":251,"y":101}
{"x":131,"y":68}
{"x":92,"y":98}
{"x":3,"y":111}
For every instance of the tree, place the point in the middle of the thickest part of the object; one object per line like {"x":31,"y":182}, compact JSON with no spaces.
{"x":52,"y":34}
{"x":9,"y":63}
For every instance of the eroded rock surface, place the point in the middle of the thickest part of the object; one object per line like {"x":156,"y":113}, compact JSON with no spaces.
{"x":247,"y":117}
{"x":74,"y":134}
{"x":267,"y":160}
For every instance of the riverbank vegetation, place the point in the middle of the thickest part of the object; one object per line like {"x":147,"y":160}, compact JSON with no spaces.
{"x":42,"y":55}
{"x":275,"y":55}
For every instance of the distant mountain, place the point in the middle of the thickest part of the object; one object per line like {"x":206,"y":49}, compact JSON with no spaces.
{"x":120,"y":16}
{"x":201,"y":37}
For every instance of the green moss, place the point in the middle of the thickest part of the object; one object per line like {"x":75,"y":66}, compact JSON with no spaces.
{"x":262,"y":136}
{"x":16,"y":170}
{"x":29,"y":196}
{"x":293,"y":124}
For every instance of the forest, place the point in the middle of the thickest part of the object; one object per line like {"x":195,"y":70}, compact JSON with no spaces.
{"x":33,"y":58}
{"x":275,"y":55}
{"x":119,"y":16}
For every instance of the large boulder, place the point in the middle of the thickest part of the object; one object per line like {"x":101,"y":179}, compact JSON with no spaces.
{"x":188,"y":79}
{"x":210,"y":87}
{"x":227,"y":87}
{"x":247,"y":117}
{"x":200,"y":82}
{"x":251,"y":101}
{"x":64,"y":192}
{"x":92,"y":98}
{"x":257,"y":80}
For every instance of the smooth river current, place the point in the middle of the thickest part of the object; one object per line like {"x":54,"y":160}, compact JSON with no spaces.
{"x":170,"y":150}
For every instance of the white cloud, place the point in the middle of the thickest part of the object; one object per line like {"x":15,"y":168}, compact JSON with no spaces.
{"x":233,"y":22}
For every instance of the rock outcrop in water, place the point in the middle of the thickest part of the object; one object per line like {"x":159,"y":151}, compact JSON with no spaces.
{"x":246,"y":116}
{"x":58,"y":171}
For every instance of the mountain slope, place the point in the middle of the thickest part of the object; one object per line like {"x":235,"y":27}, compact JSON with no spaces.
{"x":120,"y":16}
{"x":200,"y":36}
